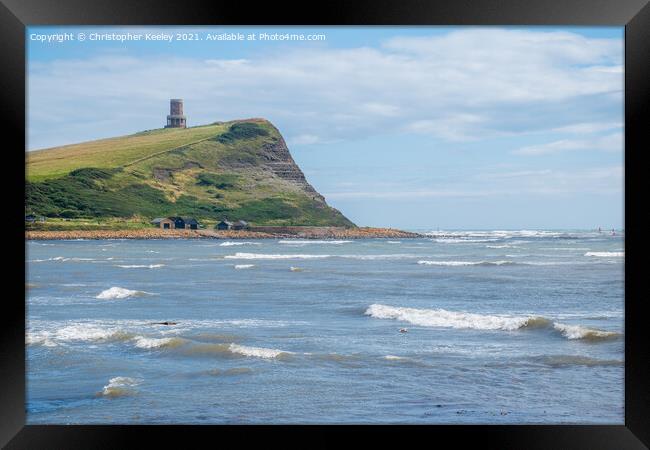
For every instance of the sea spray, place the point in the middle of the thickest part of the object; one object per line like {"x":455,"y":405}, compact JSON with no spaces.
{"x":119,"y":293}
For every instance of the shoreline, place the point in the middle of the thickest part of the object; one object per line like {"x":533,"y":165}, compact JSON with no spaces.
{"x":283,"y":233}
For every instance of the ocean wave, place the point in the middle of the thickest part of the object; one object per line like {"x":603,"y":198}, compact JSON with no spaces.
{"x":295,"y":269}
{"x":244,"y":266}
{"x":573,"y":360}
{"x":258,"y":352}
{"x":509,"y":234}
{"x":120,"y":386}
{"x":445,"y":240}
{"x":312,"y":241}
{"x":494,"y":263}
{"x":62,"y":259}
{"x":272,"y":256}
{"x":149,"y":343}
{"x":240,"y":255}
{"x":606,"y":254}
{"x":466,"y":263}
{"x":119,"y":293}
{"x":588,"y":334}
{"x":451,"y":319}
{"x":140,"y":266}
{"x":232,"y":243}
{"x":76,"y":332}
{"x":231,"y":371}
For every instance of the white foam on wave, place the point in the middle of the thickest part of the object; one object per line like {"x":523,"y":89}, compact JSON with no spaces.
{"x":240,"y":255}
{"x":80,"y":332}
{"x":62,"y":259}
{"x":465,"y":263}
{"x":312,"y":241}
{"x":580,"y":332}
{"x":140,"y":266}
{"x":149,"y":342}
{"x":232,"y":243}
{"x":119,"y":386}
{"x":606,"y":254}
{"x":462,"y":240}
{"x":272,"y":256}
{"x":244,"y":266}
{"x":454,"y":319}
{"x":450,"y":319}
{"x":119,"y":293}
{"x":258,"y":352}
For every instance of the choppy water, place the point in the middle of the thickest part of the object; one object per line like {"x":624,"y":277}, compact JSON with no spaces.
{"x":502,"y":327}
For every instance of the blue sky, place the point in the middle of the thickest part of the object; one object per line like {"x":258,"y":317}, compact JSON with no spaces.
{"x":411,"y":127}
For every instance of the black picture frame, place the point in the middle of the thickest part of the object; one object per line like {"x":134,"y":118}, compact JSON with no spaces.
{"x":15,"y":15}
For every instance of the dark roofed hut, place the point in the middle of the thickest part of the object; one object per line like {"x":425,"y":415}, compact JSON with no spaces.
{"x":191,"y":223}
{"x":224,"y":225}
{"x":240,"y":225}
{"x":178,"y":222}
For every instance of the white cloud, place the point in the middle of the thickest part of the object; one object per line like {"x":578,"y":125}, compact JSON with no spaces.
{"x":464,"y":85}
{"x":547,"y":182}
{"x":610,"y":143}
{"x":588,"y":128}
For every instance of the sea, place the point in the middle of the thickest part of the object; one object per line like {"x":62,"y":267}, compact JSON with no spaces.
{"x":456,"y":327}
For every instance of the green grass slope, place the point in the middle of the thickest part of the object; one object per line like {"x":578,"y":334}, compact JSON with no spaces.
{"x":239,"y":170}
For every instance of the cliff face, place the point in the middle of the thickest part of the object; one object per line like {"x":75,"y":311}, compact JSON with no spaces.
{"x":239,"y":170}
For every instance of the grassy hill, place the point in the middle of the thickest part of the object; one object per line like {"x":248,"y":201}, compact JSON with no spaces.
{"x":239,"y":170}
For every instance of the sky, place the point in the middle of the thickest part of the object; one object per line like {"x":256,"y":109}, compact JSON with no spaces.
{"x":407,"y":127}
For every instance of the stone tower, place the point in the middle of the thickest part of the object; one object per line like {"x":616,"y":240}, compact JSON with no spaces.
{"x":176,"y":119}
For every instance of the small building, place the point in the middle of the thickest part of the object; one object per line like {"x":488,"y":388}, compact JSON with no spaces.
{"x":240,"y":225}
{"x":179,"y":222}
{"x":30,"y":218}
{"x":176,"y":119}
{"x":166,"y":223}
{"x":191,"y":223}
{"x":224,"y":225}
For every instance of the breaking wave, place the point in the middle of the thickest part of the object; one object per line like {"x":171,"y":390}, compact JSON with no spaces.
{"x":466,"y":263}
{"x":453,"y":319}
{"x":580,"y":332}
{"x":61,"y":258}
{"x":258,"y":352}
{"x":606,"y":254}
{"x":272,"y":256}
{"x":240,"y":255}
{"x":231,"y":243}
{"x":244,"y":266}
{"x":149,"y":343}
{"x":138,"y":266}
{"x":119,"y":293}
{"x":120,"y":386}
{"x":76,"y":332}
{"x":310,"y":241}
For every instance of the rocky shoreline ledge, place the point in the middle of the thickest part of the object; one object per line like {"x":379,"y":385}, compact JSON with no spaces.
{"x":261,"y":233}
